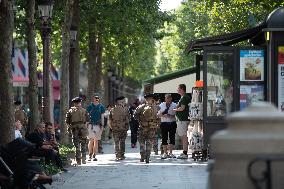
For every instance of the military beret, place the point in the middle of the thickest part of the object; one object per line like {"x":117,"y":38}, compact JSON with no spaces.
{"x":149,"y":96}
{"x":120,"y":98}
{"x":77,"y":99}
{"x":17,"y":102}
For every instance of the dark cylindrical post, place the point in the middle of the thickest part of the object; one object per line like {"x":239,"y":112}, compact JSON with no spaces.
{"x":199,"y":59}
{"x":45,"y":34}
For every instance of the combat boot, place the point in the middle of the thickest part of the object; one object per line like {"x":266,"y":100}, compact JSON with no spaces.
{"x":142,"y":156}
{"x":122,"y":157}
{"x":78,"y":160}
{"x":117,"y":157}
{"x":84,"y":161}
{"x":147,"y":156}
{"x":147,"y":159}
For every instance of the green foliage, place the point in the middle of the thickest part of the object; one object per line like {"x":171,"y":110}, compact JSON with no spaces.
{"x":49,"y":169}
{"x":64,"y":151}
{"x":138,"y":36}
{"x":203,"y":18}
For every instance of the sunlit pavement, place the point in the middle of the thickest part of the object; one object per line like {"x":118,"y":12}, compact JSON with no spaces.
{"x":107,"y":173}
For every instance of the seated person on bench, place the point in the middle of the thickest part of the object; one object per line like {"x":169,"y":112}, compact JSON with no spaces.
{"x":49,"y":136}
{"x":44,"y":148}
{"x":17,"y":169}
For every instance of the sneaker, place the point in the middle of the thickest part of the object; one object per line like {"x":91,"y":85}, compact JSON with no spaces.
{"x":90,"y":157}
{"x":64,"y":170}
{"x":164,"y":156}
{"x":182,"y":156}
{"x":171,"y":156}
{"x":95,"y":159}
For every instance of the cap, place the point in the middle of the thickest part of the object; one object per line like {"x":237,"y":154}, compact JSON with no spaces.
{"x":17,"y":102}
{"x":120,"y":98}
{"x":96,"y":96}
{"x":77,"y":99}
{"x":149,"y":96}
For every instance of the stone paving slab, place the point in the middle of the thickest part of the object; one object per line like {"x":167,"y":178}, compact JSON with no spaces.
{"x":106,"y":173}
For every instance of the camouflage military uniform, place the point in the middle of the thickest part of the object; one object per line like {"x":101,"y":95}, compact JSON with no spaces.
{"x":146,"y":114}
{"x":76,"y":118}
{"x":119,"y":119}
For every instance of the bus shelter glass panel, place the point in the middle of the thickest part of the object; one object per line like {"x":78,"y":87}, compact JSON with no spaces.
{"x":220,"y":89}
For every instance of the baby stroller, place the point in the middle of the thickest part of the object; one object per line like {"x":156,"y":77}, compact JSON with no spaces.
{"x":16,"y":169}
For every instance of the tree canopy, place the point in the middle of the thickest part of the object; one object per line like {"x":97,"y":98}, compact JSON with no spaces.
{"x":198,"y":19}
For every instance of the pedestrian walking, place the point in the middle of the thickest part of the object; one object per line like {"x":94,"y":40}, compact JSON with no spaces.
{"x":77,"y":119}
{"x":182,"y":113}
{"x":146,"y":114}
{"x":134,"y":125}
{"x":95,"y":128}
{"x":168,"y":126}
{"x":106,"y":131}
{"x":119,"y":120}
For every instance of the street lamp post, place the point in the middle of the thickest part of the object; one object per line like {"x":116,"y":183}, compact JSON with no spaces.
{"x":73,"y":38}
{"x":45,"y":13}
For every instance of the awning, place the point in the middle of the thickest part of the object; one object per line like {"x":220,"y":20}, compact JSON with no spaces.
{"x":229,"y":38}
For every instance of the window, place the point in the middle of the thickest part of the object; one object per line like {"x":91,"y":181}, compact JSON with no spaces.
{"x":220,"y":74}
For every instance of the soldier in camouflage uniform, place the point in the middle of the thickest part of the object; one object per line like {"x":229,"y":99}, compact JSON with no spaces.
{"x":20,"y":115}
{"x":119,"y":119}
{"x":146,"y":114}
{"x":77,"y":119}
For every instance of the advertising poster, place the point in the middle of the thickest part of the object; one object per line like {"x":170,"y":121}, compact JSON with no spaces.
{"x":252,"y":65}
{"x":281,"y":78}
{"x":250,"y":94}
{"x":281,"y":55}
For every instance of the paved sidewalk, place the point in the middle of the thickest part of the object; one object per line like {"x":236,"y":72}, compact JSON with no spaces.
{"x":106,"y":173}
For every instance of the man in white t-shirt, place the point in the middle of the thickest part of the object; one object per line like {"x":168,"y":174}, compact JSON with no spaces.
{"x":18,"y":127}
{"x":168,"y":126}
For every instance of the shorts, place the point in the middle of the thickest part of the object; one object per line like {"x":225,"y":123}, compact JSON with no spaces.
{"x":95,"y":132}
{"x":182,"y":127}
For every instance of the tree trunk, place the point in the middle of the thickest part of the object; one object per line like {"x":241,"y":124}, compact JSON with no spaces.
{"x":7,"y":119}
{"x":33,"y":84}
{"x":91,"y":62}
{"x":64,"y":85}
{"x":74,"y":67}
{"x":99,"y":54}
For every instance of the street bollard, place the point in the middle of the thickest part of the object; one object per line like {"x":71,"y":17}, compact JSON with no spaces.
{"x":253,"y":135}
